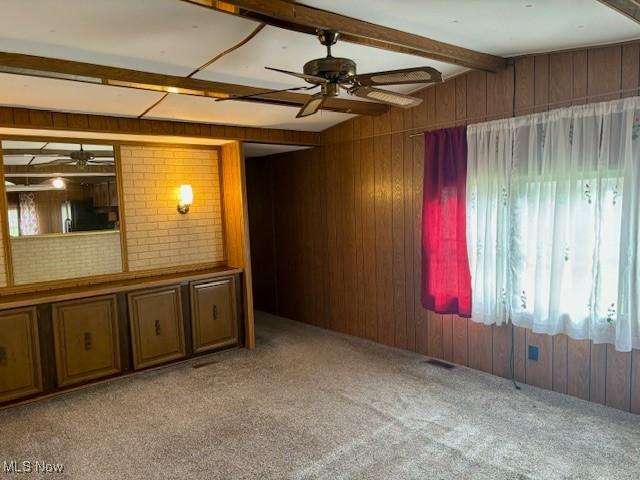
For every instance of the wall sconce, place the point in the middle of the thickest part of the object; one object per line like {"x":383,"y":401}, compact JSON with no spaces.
{"x":185,"y":198}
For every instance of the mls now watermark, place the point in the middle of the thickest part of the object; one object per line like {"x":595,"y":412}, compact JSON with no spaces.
{"x":32,"y":467}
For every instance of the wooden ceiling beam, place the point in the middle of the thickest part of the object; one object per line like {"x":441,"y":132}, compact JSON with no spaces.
{"x":61,"y":153}
{"x":629,"y":8}
{"x":305,"y":19}
{"x":31,"y":119}
{"x":47,"y":171}
{"x":21,"y":64}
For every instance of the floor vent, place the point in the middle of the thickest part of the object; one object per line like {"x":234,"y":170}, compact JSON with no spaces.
{"x":439,"y":363}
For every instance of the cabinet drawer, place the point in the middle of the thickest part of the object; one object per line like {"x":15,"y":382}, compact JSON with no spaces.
{"x":19,"y":354}
{"x":86,"y":339}
{"x":157,"y":332}
{"x":213,"y":314}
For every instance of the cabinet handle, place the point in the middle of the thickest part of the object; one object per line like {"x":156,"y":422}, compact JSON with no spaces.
{"x":4,"y":361}
{"x":88,"y":344}
{"x":157,"y":328}
{"x":215,"y":312}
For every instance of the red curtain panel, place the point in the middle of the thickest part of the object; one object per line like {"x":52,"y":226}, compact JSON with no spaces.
{"x":446,"y":281}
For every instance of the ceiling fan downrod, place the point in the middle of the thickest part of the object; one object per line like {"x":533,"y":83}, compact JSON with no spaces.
{"x":328,"y":38}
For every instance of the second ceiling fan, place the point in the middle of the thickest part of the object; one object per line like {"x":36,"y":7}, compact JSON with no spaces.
{"x":334,"y":73}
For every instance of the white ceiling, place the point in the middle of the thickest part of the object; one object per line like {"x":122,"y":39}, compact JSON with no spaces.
{"x":46,"y":150}
{"x":500,"y":27}
{"x":51,"y":94}
{"x":173,"y":37}
{"x":164,"y":36}
{"x":201,"y":109}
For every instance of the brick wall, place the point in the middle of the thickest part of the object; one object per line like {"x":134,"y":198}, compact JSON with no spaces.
{"x":157,"y":235}
{"x":62,"y":256}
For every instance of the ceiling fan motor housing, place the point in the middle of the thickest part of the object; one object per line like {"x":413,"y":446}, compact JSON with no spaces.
{"x":336,"y":70}
{"x":82,"y":155}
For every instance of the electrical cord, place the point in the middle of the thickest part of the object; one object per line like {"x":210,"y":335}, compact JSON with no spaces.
{"x":512,"y":360}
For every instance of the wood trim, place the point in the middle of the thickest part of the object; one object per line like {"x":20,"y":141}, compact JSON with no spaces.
{"x":628,"y":8}
{"x":25,"y":118}
{"x":223,"y":210}
{"x":4,"y":225}
{"x":59,"y":291}
{"x":121,"y":218}
{"x":237,"y":227}
{"x":69,"y":70}
{"x":305,"y":19}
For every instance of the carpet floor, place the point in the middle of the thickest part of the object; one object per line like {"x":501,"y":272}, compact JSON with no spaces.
{"x":313,"y":404}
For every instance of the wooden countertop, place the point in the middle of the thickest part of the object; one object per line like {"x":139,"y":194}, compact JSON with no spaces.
{"x":108,"y":288}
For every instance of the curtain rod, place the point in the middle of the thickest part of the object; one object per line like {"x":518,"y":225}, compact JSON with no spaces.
{"x":511,"y":114}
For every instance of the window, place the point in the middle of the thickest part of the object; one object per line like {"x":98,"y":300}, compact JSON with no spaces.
{"x":553,"y":215}
{"x":14,"y":229}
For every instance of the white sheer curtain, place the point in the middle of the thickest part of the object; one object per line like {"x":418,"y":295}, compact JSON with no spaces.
{"x":552,"y":223}
{"x":489,"y":159}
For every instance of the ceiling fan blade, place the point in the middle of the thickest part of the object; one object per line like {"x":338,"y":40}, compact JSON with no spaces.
{"x":266,"y":92}
{"x":60,"y":161}
{"x":312,"y":105}
{"x":386,"y":96}
{"x":304,"y":76}
{"x":399,"y":77}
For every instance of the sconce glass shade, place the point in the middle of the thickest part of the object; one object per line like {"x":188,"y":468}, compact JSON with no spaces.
{"x":185,"y":198}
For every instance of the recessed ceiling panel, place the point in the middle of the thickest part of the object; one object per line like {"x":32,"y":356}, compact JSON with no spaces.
{"x":68,"y":96}
{"x":165,"y":36}
{"x":500,"y":27}
{"x":284,"y":49}
{"x":251,"y":114}
{"x":264,"y":149}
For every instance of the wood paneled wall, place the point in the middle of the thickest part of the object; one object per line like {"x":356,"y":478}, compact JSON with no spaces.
{"x":347,"y":223}
{"x":263,"y":250}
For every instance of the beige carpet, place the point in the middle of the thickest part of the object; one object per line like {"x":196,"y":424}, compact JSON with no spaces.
{"x":314,"y":404}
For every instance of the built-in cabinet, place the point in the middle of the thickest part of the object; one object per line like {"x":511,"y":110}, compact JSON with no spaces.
{"x":86,"y":339}
{"x":20,"y":373}
{"x":157,"y":333}
{"x":108,"y":335}
{"x":213,"y":305}
{"x":105,"y":194}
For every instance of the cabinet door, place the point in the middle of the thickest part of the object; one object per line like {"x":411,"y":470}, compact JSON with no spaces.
{"x":19,"y":354}
{"x":86,"y":339}
{"x":156,"y":326}
{"x":213,"y":314}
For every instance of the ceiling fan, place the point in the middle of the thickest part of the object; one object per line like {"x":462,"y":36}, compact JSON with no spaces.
{"x":334,"y":73}
{"x":80,"y":158}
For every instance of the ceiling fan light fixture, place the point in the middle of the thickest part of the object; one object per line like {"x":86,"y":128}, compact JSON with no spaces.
{"x":330,"y":89}
{"x":58,"y":183}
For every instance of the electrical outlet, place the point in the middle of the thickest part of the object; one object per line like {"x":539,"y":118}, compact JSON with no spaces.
{"x":533,"y":353}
